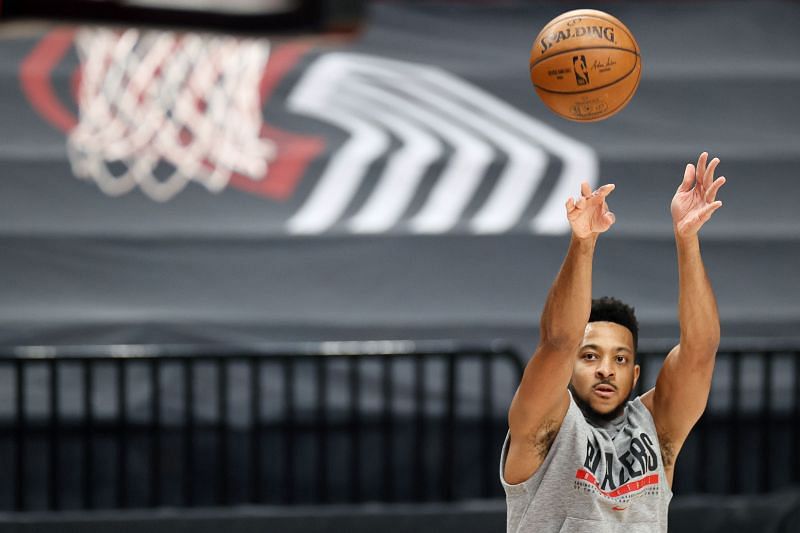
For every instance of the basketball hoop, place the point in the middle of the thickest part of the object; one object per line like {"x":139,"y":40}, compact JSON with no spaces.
{"x":159,"y":109}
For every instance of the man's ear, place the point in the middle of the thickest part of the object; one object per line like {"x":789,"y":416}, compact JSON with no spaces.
{"x":636,"y":370}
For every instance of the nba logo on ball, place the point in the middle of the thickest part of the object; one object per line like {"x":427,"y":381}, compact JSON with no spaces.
{"x":581,"y":73}
{"x":585,"y":65}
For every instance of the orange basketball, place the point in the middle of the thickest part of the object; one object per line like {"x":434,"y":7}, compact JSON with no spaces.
{"x":585,"y":65}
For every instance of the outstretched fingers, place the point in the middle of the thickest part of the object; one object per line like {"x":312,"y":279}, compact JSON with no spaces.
{"x":688,"y":179}
{"x":605,"y":190}
{"x":587,"y":197}
{"x":708,"y":176}
{"x":599,"y":196}
{"x":586,"y":189}
{"x":701,"y":165}
{"x":711,"y":194}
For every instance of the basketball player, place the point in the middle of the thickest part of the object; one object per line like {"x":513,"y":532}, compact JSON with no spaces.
{"x":579,"y":456}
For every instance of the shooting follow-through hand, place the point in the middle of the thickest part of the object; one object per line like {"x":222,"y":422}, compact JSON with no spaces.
{"x":589,"y":214}
{"x":695,"y":200}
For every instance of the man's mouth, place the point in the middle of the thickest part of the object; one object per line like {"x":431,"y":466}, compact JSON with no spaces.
{"x":605,"y":391}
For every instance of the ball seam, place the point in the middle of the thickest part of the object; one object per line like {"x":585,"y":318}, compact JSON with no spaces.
{"x":610,"y":113}
{"x":637,"y":63}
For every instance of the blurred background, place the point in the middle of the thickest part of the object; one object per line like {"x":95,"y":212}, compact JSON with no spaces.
{"x":278,"y":264}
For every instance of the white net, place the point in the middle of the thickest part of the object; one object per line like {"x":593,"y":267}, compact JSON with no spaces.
{"x":159,"y":109}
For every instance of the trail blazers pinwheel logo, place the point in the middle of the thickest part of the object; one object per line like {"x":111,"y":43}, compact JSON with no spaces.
{"x":422,"y":119}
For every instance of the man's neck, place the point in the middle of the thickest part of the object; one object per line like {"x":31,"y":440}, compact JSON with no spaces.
{"x":596,"y":418}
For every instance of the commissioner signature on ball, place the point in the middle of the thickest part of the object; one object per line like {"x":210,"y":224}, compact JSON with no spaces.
{"x":601,"y":66}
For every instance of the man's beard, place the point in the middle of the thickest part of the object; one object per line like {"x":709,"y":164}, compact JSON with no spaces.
{"x":590,"y":411}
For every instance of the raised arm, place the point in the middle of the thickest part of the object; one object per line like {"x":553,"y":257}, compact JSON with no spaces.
{"x":541,"y":401}
{"x":681,"y":392}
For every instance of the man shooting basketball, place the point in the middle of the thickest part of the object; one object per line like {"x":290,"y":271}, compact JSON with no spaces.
{"x":579,"y":456}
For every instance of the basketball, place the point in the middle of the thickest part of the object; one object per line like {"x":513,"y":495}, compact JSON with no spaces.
{"x":585,"y":65}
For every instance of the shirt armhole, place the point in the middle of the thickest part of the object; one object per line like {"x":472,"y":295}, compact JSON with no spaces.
{"x":642,"y":408}
{"x":524,"y":486}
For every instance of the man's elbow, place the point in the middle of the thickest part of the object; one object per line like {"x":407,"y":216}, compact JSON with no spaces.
{"x":700,"y":351}
{"x":560,"y":341}
{"x":702,"y":341}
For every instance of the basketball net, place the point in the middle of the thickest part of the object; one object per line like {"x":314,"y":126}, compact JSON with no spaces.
{"x":159,"y":109}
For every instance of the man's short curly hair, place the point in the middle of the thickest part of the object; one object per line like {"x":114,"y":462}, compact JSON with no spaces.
{"x":608,"y":309}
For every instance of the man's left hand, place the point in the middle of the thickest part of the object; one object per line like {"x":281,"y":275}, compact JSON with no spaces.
{"x":695,"y":201}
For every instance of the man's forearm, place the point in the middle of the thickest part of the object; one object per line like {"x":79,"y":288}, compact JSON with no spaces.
{"x":697,"y":306}
{"x":569,"y":302}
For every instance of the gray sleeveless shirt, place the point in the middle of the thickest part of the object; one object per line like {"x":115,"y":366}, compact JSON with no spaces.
{"x":598,"y":477}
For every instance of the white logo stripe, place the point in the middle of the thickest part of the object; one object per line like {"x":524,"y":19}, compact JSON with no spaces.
{"x":343,"y":176}
{"x":466,"y":167}
{"x":405,"y":168}
{"x":460,"y":177}
{"x":579,"y":160}
{"x":517,"y":182}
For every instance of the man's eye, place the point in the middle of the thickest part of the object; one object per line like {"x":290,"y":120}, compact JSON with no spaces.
{"x":588,"y":355}
{"x":621,"y":359}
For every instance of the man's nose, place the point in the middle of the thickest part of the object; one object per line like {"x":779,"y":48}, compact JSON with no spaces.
{"x":604,"y":369}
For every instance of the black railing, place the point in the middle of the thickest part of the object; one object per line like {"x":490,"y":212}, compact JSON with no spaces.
{"x":396,"y":421}
{"x":121,"y":427}
{"x":748,"y":439}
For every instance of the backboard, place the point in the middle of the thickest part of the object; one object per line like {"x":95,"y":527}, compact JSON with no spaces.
{"x":260,"y":16}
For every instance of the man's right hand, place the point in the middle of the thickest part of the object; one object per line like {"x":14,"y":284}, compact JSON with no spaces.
{"x":589,"y":215}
